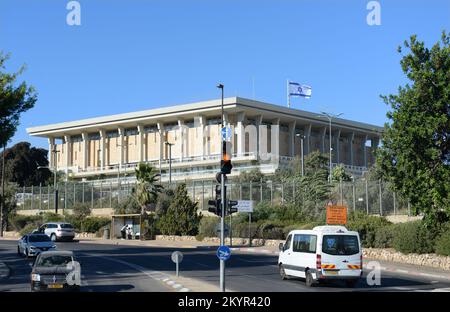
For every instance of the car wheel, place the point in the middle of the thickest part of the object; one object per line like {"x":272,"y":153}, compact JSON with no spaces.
{"x":351,"y":283}
{"x":53,"y":237}
{"x":309,"y":281}
{"x":282,"y":272}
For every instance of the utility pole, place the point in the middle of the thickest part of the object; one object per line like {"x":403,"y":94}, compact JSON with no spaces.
{"x":3,"y":191}
{"x":224,"y":200}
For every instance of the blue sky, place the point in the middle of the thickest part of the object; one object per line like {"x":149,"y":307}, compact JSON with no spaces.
{"x":131,"y":55}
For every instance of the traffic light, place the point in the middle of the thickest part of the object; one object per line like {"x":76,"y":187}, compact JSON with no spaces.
{"x":215,"y":206}
{"x":231,"y":208}
{"x":225,"y":162}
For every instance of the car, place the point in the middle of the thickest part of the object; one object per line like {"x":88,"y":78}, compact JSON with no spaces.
{"x":324,"y":253}
{"x":33,"y":244}
{"x":58,"y":230}
{"x":54,"y":271}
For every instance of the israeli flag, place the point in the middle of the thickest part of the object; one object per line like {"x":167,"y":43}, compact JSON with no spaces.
{"x":296,"y":89}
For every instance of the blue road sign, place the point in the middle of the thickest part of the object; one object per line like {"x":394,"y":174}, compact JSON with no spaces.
{"x":226,"y":134}
{"x":223,"y":253}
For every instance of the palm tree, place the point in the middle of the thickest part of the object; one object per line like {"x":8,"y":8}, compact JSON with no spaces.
{"x":148,"y":187}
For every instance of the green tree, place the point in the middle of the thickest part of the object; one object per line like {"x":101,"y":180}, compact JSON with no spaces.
{"x":339,"y":174}
{"x":148,"y":187}
{"x":415,"y":155}
{"x":181,"y":218}
{"x":21,"y":165}
{"x":14,"y":100}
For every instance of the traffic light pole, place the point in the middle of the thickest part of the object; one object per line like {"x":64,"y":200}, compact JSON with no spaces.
{"x":222,"y":231}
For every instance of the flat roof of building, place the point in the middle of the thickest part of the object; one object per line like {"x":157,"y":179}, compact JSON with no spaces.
{"x":204,"y":108}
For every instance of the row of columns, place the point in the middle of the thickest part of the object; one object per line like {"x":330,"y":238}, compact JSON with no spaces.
{"x":200,"y":135}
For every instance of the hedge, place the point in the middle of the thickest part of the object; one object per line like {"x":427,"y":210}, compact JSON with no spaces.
{"x":443,"y":242}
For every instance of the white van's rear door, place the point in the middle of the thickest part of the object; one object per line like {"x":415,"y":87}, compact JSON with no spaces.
{"x":341,"y":255}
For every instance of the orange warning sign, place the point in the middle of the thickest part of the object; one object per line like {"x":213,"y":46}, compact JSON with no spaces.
{"x":336,"y":215}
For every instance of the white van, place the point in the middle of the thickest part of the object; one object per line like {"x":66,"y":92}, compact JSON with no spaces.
{"x":323,"y":253}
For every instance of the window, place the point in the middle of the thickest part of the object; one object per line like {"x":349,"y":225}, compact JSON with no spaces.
{"x":112,"y":134}
{"x":305,"y":243}
{"x":287,"y":245}
{"x":340,"y":245}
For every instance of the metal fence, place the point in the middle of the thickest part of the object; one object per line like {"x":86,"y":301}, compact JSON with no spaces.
{"x":371,"y":197}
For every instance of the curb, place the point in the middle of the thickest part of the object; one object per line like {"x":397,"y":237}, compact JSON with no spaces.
{"x":4,"y":271}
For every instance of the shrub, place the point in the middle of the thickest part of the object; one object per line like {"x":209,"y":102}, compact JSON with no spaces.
{"x":414,"y":237}
{"x":443,"y":242}
{"x":94,"y":224}
{"x":271,"y":230}
{"x":207,"y":226}
{"x":51,"y":217}
{"x":384,"y":236}
{"x":242,"y":230}
{"x":27,"y":229}
{"x":199,"y":237}
{"x":366,"y":226}
{"x":19,"y":222}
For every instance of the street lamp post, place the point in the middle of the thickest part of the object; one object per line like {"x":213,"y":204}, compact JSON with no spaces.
{"x":329,"y":117}
{"x":170,"y":161}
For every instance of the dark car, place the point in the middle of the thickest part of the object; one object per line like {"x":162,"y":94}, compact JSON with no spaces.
{"x":55,"y":271}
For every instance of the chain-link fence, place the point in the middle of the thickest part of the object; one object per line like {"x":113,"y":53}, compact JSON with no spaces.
{"x":371,"y":197}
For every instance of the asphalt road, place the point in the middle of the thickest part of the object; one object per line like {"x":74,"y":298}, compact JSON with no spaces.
{"x":129,"y":268}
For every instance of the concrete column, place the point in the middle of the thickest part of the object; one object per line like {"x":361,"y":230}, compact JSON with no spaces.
{"x":68,"y":151}
{"x":275,"y":139}
{"x":240,"y":117}
{"x":337,"y":146}
{"x":85,"y":149}
{"x":161,"y":143}
{"x":199,"y":123}
{"x":366,"y":137}
{"x":260,"y":136}
{"x":292,"y":138}
{"x":182,"y":138}
{"x":352,"y":158}
{"x":323,"y":134}
{"x":51,"y":147}
{"x":307,"y":146}
{"x":140,"y":143}
{"x":102,"y":149}
{"x":121,"y":146}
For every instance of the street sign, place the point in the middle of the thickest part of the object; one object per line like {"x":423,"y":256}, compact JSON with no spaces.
{"x":226,"y":134}
{"x":336,"y":215}
{"x":244,"y":205}
{"x":177,"y":257}
{"x":223,"y":253}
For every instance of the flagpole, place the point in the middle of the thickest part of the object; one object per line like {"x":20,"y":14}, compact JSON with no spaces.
{"x":288,"y":95}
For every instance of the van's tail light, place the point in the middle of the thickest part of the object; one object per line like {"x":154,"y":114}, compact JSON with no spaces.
{"x":319,"y":262}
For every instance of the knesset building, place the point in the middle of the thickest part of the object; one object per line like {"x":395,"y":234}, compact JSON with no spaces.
{"x":264,"y":135}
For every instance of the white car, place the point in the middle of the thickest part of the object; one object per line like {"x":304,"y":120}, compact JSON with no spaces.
{"x":323,"y":253}
{"x":33,"y":244}
{"x":58,"y":231}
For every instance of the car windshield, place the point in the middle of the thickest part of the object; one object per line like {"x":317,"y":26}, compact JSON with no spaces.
{"x":54,"y":260}
{"x":38,"y":238}
{"x":340,"y":245}
{"x":66,"y":226}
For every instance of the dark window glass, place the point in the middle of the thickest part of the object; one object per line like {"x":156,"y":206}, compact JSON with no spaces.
{"x":340,"y":245}
{"x":38,"y":238}
{"x":304,"y":243}
{"x":53,"y":260}
{"x":66,"y":226}
{"x":287,"y":245}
